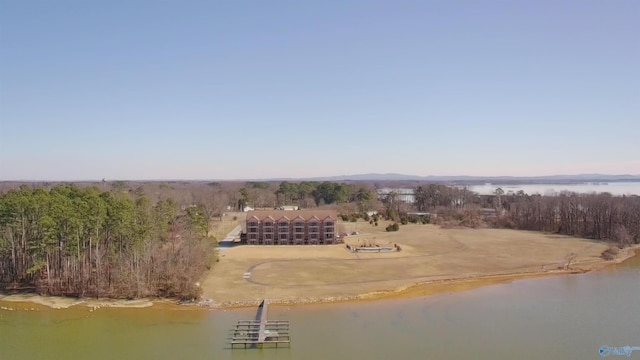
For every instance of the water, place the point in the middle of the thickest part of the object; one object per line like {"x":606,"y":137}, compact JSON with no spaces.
{"x":563,"y":317}
{"x":614,"y":188}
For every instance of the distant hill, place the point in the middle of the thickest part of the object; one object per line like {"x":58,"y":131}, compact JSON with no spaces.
{"x":394,"y":177}
{"x":580,"y":178}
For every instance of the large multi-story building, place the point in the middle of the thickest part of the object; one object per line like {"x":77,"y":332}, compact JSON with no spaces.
{"x":291,"y":227}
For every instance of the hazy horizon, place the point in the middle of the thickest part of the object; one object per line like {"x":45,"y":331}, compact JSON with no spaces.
{"x":342,"y":176}
{"x":255,"y":90}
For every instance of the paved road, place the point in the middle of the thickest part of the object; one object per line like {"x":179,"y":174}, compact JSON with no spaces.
{"x":228,"y":241}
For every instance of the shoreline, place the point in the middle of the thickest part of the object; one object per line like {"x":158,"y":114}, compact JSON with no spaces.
{"x":418,"y":289}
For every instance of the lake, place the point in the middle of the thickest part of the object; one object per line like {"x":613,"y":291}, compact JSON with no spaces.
{"x":561,"y":317}
{"x":614,"y":188}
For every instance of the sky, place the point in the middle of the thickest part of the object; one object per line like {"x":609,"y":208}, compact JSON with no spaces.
{"x":268,"y":89}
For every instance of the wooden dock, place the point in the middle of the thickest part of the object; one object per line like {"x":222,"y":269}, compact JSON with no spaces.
{"x":260,"y":332}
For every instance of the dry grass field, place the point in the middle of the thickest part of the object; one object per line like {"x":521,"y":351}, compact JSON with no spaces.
{"x":429,"y":253}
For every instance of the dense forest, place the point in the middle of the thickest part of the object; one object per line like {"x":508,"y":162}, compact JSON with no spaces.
{"x":593,"y":216}
{"x":86,"y":242}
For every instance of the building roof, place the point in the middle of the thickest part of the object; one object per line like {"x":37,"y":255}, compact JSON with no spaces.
{"x":292,"y":214}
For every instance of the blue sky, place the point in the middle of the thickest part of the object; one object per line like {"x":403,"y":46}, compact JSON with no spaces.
{"x":261,"y":89}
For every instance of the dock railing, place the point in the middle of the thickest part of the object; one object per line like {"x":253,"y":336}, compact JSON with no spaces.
{"x":260,"y":332}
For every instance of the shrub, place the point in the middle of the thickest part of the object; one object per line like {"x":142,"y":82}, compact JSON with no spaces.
{"x":366,"y":217}
{"x":393,"y":227}
{"x":344,"y":217}
{"x":610,"y":253}
{"x":404,"y":221}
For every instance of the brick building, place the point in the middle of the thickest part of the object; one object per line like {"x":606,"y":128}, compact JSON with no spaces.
{"x":291,"y":227}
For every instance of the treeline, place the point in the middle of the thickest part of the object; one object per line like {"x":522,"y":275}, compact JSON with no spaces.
{"x":305,"y":194}
{"x":594,"y":216}
{"x":86,"y":242}
{"x":601,"y":216}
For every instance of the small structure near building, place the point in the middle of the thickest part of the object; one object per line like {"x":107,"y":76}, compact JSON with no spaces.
{"x":373,"y":248}
{"x":289,"y":207}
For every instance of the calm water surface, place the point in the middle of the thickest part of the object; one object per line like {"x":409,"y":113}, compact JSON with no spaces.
{"x":615,"y":188}
{"x":565,"y":317}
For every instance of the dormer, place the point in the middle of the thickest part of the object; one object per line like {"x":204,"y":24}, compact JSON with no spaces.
{"x":283,"y":221}
{"x":328,"y":221}
{"x":268,"y":221}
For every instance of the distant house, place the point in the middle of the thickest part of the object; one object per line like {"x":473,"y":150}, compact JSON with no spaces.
{"x":289,"y":207}
{"x":291,"y":227}
{"x":418,"y":213}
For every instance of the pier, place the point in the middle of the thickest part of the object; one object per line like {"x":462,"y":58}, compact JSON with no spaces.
{"x":260,"y":332}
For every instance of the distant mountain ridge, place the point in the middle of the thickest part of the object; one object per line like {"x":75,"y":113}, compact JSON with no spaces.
{"x":469,"y":178}
{"x":453,"y":179}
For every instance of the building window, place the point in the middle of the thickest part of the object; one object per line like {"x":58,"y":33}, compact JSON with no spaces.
{"x":284,"y":224}
{"x":268,"y":230}
{"x":328,"y":236}
{"x":267,"y":236}
{"x":253,"y":236}
{"x":329,"y":223}
{"x":283,"y":236}
{"x":314,"y":236}
{"x":298,"y":236}
{"x":313,"y":227}
{"x":253,"y":229}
